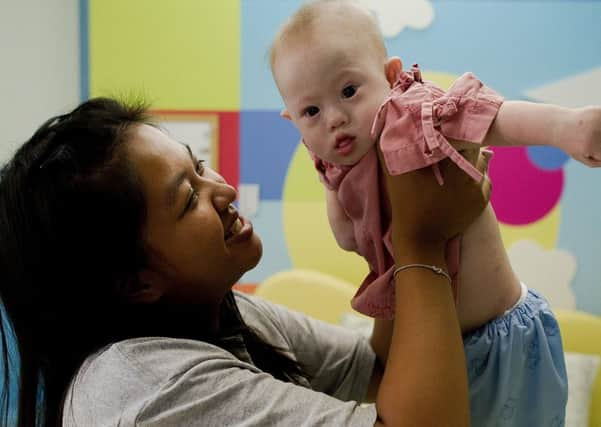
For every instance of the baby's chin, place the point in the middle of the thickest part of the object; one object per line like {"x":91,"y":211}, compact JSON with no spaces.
{"x":353,"y":158}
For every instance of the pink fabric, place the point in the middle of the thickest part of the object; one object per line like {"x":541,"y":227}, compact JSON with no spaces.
{"x":416,"y":117}
{"x":412,"y":122}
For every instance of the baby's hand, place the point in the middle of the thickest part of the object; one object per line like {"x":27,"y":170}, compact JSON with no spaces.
{"x":579,"y":135}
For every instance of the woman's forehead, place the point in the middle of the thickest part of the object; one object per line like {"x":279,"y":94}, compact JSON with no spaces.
{"x":150,"y":143}
{"x":157,"y":159}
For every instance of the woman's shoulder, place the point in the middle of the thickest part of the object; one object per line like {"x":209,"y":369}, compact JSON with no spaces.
{"x":146,"y":361}
{"x":130,"y":373}
{"x":153,"y":360}
{"x":257,"y":310}
{"x":272,"y":320}
{"x":166,"y":381}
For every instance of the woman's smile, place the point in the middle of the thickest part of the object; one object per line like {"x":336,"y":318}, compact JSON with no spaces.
{"x":240,"y":231}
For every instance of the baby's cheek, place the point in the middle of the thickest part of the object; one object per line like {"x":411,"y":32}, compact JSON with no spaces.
{"x":316,"y":143}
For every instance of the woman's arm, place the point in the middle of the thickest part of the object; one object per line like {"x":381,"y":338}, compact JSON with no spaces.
{"x":425,"y":380}
{"x":380,"y":343}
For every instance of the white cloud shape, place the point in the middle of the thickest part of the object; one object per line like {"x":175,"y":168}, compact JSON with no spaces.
{"x":395,"y":15}
{"x":548,"y":271}
{"x":577,"y":90}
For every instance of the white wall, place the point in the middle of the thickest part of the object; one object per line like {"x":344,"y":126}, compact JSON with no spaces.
{"x":39,"y":66}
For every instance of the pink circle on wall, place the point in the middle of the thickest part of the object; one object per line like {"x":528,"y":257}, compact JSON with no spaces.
{"x":522,"y":192}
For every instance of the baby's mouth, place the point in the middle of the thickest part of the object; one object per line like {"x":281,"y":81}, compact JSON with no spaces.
{"x":344,"y":144}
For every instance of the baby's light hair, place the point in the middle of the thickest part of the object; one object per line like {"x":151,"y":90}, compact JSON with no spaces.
{"x":303,"y":23}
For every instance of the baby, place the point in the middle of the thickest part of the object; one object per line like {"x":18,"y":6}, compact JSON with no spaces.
{"x":345,"y":96}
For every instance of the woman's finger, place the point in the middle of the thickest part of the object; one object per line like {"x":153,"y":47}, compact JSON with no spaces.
{"x":483,"y":161}
{"x":482,"y":165}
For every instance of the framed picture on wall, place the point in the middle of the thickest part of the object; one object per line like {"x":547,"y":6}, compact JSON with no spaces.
{"x":197,"y":129}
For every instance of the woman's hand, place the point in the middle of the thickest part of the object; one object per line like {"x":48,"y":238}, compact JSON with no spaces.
{"x":426,"y":213}
{"x":425,"y":377}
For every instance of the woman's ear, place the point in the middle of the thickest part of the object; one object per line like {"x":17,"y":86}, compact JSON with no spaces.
{"x":285,"y":114}
{"x":146,"y":288}
{"x":393,"y":69}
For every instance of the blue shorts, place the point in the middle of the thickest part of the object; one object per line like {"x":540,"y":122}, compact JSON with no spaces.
{"x":516,"y":368}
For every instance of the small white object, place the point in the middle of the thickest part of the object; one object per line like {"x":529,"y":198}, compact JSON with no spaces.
{"x":578,"y":90}
{"x":582,"y":372}
{"x":197,"y":134}
{"x":549,"y":271}
{"x":395,"y":15}
{"x":248,"y":199}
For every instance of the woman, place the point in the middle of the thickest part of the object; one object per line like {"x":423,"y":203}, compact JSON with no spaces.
{"x":119,"y":252}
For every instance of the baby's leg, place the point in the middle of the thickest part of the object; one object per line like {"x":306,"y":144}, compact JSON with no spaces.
{"x":487,"y":285}
{"x":516,"y":368}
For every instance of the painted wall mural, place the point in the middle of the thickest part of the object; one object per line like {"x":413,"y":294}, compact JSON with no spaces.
{"x":211,"y":57}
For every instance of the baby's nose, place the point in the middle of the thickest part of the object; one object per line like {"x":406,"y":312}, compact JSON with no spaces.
{"x":337,"y":118}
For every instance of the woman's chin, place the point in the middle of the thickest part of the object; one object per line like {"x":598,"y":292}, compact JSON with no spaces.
{"x":252,"y":255}
{"x":258,"y":251}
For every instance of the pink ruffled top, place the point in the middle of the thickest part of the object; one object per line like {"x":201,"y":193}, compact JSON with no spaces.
{"x":413,"y":123}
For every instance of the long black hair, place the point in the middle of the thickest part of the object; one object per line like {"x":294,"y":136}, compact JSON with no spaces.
{"x":71,"y":217}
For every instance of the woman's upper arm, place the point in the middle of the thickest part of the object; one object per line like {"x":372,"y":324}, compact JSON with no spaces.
{"x":181,"y":382}
{"x":339,"y":361}
{"x":228,"y":394}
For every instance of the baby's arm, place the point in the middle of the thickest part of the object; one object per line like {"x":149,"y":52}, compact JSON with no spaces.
{"x":577,"y":131}
{"x":340,"y":223}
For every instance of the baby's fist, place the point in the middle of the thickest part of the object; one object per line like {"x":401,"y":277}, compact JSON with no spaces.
{"x":581,"y":135}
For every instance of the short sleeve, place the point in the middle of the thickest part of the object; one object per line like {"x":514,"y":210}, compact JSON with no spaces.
{"x":220,"y":392}
{"x":339,"y":361}
{"x":157,"y":382}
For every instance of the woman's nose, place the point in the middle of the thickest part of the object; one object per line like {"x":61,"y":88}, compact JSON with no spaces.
{"x":224,"y":194}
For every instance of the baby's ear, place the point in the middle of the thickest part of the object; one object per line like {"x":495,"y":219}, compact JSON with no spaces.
{"x":393,"y":69}
{"x":285,"y":114}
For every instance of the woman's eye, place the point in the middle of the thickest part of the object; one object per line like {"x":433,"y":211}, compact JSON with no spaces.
{"x":349,"y":91}
{"x":311,"y":111}
{"x":192,"y":199}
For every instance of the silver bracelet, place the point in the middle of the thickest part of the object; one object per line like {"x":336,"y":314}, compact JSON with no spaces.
{"x":436,"y":270}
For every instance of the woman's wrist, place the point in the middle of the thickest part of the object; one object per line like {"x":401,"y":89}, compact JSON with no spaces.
{"x":441,"y":271}
{"x":411,"y":251}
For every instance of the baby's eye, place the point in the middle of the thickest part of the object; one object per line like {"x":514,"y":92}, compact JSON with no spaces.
{"x":311,"y":111}
{"x":349,"y":91}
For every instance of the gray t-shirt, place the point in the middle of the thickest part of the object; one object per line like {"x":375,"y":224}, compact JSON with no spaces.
{"x":171,"y":382}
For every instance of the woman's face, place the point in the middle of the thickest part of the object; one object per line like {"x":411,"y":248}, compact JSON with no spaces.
{"x":197,"y":244}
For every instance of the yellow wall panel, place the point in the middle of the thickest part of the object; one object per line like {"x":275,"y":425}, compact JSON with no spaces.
{"x":179,"y":54}
{"x":311,"y":244}
{"x":545,"y":231}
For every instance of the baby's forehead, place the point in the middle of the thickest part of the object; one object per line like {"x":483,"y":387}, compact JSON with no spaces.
{"x":346,"y":22}
{"x":340,"y":48}
{"x":303,"y":82}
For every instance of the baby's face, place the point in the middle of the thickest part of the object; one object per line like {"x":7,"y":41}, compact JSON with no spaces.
{"x":332,"y":90}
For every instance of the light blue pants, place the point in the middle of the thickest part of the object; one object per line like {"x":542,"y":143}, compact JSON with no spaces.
{"x":516,"y":368}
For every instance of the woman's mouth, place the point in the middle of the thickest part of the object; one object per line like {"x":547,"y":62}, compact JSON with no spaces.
{"x":240,"y":230}
{"x":234,"y":229}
